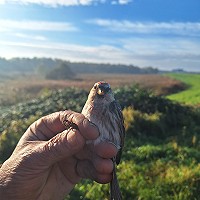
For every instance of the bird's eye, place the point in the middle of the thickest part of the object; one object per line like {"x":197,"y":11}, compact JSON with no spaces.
{"x":95,"y":87}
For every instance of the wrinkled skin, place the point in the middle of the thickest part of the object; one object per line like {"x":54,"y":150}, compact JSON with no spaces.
{"x":50,"y":160}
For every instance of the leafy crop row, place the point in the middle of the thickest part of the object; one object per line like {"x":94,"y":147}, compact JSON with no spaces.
{"x":16,"y":120}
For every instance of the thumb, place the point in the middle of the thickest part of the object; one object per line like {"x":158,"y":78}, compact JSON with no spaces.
{"x":64,"y":144}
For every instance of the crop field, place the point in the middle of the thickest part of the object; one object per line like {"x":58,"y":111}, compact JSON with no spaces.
{"x":192,"y":93}
{"x":25,"y":88}
{"x":162,"y":147}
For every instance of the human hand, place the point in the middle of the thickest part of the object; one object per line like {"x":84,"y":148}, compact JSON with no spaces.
{"x":50,"y":160}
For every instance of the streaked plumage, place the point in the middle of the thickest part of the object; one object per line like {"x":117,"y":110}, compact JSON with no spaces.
{"x":102,"y":109}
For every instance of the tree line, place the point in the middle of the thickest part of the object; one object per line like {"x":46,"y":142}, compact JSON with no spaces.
{"x":49,"y":67}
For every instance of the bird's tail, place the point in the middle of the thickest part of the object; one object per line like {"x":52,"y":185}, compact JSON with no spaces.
{"x":115,"y":193}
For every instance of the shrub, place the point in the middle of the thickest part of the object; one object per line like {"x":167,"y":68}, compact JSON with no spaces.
{"x":61,"y":72}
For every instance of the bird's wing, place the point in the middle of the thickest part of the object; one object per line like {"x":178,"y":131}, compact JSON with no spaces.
{"x":117,"y":111}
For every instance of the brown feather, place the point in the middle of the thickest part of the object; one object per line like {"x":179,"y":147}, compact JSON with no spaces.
{"x":115,"y":193}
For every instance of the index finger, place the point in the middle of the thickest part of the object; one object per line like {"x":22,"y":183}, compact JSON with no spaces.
{"x":48,"y":126}
{"x":87,"y":129}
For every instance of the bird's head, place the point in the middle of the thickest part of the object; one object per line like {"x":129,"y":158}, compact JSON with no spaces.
{"x":101,"y":91}
{"x":102,"y":88}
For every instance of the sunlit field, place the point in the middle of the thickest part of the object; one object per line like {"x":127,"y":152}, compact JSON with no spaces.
{"x":26,"y":88}
{"x":161,"y":155}
{"x":192,"y":93}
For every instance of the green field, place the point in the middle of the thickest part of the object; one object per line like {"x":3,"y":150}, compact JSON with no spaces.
{"x":192,"y":94}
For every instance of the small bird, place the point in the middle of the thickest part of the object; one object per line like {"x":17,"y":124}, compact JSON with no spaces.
{"x":102,"y":109}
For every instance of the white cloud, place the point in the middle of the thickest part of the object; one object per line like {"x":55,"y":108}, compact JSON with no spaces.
{"x":2,"y":1}
{"x":168,"y":53}
{"x":73,"y":52}
{"x":122,"y":2}
{"x":55,"y":3}
{"x":44,"y":2}
{"x":155,"y":49}
{"x":6,"y":25}
{"x":30,"y":37}
{"x":125,"y":26}
{"x":3,"y":29}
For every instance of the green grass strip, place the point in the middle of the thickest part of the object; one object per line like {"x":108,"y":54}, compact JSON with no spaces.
{"x":192,"y":94}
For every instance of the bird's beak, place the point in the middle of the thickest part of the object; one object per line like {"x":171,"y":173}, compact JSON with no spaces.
{"x":100,"y":92}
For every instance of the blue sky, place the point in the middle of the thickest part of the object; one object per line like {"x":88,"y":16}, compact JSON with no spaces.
{"x":158,"y":33}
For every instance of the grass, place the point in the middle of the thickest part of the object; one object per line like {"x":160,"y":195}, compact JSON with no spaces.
{"x":151,"y":172}
{"x":191,"y":95}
